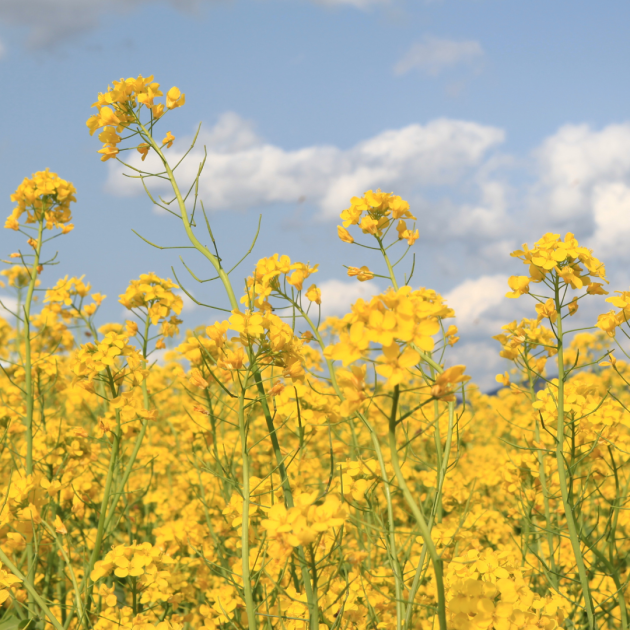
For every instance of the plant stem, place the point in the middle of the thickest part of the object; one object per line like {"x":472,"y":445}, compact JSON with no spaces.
{"x":247,"y":585}
{"x":562,"y":473}
{"x":30,"y":397}
{"x":425,"y":531}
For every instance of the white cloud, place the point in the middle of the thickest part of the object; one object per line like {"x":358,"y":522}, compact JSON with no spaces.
{"x":338,"y":296}
{"x":433,"y":55}
{"x":8,"y":306}
{"x":473,"y":297}
{"x":3,"y":50}
{"x":611,"y":213}
{"x":575,"y":161}
{"x":481,"y":308}
{"x":488,"y":218}
{"x":189,"y":305}
{"x":52,"y":21}
{"x":242,"y":170}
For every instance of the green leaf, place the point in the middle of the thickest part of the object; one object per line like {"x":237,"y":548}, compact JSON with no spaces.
{"x":9,"y":622}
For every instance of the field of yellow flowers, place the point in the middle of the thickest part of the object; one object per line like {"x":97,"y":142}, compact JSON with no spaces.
{"x":277,"y":470}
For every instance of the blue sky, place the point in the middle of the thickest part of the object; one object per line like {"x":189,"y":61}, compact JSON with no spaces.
{"x":498,"y":120}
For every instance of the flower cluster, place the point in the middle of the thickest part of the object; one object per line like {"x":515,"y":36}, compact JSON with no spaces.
{"x":374,"y":213}
{"x":403,"y":322}
{"x":71,"y":292}
{"x":266,"y":279}
{"x":17,"y":276}
{"x":93,"y":358}
{"x":302,"y":524}
{"x":7,"y":580}
{"x":43,"y":196}
{"x":609,"y":322}
{"x":148,"y":564}
{"x":156,"y":297}
{"x":575,"y":266}
{"x":490,"y":590}
{"x":524,"y":339}
{"x":119,"y":109}
{"x":274,"y":338}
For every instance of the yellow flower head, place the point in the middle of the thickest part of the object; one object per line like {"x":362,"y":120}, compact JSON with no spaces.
{"x":45,"y":196}
{"x":362,"y":274}
{"x":154,"y":294}
{"x":119,"y":109}
{"x":574,"y":265}
{"x":374,"y":213}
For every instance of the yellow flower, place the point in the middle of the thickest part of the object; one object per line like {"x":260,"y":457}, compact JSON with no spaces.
{"x":195,"y":378}
{"x":519,"y":286}
{"x":446,"y":381}
{"x":565,"y":257}
{"x":394,"y":365}
{"x":314,"y":294}
{"x":344,"y":235}
{"x":168,"y":140}
{"x":503,"y":379}
{"x":248,"y":324}
{"x":158,"y":111}
{"x":174,"y":98}
{"x":60,"y":528}
{"x":405,"y":233}
{"x":108,"y":152}
{"x":143,"y":149}
{"x":154,"y":294}
{"x":109,"y":136}
{"x":547,"y":311}
{"x":608,"y":322}
{"x":362,"y":274}
{"x":300,"y":273}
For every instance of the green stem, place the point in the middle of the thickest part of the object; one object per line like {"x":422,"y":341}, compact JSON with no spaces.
{"x":100,"y":528}
{"x":562,"y":473}
{"x":425,"y":531}
{"x":543,"y":489}
{"x":390,"y":269}
{"x":204,"y":251}
{"x":247,"y":585}
{"x":30,"y":396}
{"x":139,"y":438}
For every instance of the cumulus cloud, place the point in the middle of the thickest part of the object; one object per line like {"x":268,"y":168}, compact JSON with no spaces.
{"x":452,"y":171}
{"x":434,"y":55}
{"x":611,"y":214}
{"x":471,"y":298}
{"x":337,"y":296}
{"x":242,"y":170}
{"x":8,"y":306}
{"x":51,"y":21}
{"x":574,"y":163}
{"x":481,"y":307}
